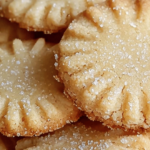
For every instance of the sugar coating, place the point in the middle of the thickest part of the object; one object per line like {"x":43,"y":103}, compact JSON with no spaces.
{"x":44,"y":15}
{"x":31,"y":100}
{"x":86,"y":135}
{"x":104,"y":60}
{"x":7,"y":31}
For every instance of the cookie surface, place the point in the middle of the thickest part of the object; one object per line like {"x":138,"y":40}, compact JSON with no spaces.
{"x":85,"y":135}
{"x":9,"y":31}
{"x":31,"y":100}
{"x":43,"y":15}
{"x":103,"y":62}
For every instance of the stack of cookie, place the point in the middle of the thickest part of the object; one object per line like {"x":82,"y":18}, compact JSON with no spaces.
{"x":62,"y":60}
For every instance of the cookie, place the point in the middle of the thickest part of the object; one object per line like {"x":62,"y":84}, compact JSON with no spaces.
{"x":44,"y":15}
{"x":31,"y":100}
{"x":85,"y":135}
{"x":103,"y":61}
{"x":9,"y":31}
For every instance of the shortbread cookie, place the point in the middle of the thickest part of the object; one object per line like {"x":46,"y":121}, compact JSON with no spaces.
{"x":104,"y":60}
{"x":31,"y":100}
{"x":9,"y":31}
{"x":86,"y":135}
{"x":43,"y":15}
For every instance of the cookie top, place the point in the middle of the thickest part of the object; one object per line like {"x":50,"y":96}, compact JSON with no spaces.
{"x":86,"y":135}
{"x":31,"y":100}
{"x":44,"y":15}
{"x":103,"y":61}
{"x":10,"y":31}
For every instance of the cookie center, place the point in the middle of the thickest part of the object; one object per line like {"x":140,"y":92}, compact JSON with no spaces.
{"x":26,"y":76}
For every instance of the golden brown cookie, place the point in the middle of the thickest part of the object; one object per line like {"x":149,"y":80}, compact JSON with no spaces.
{"x":31,"y":100}
{"x":104,"y":60}
{"x":86,"y":135}
{"x":9,"y":31}
{"x":44,"y":15}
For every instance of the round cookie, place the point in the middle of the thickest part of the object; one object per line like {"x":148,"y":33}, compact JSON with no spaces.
{"x":31,"y":100}
{"x":44,"y":15}
{"x":86,"y":135}
{"x":103,"y":61}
